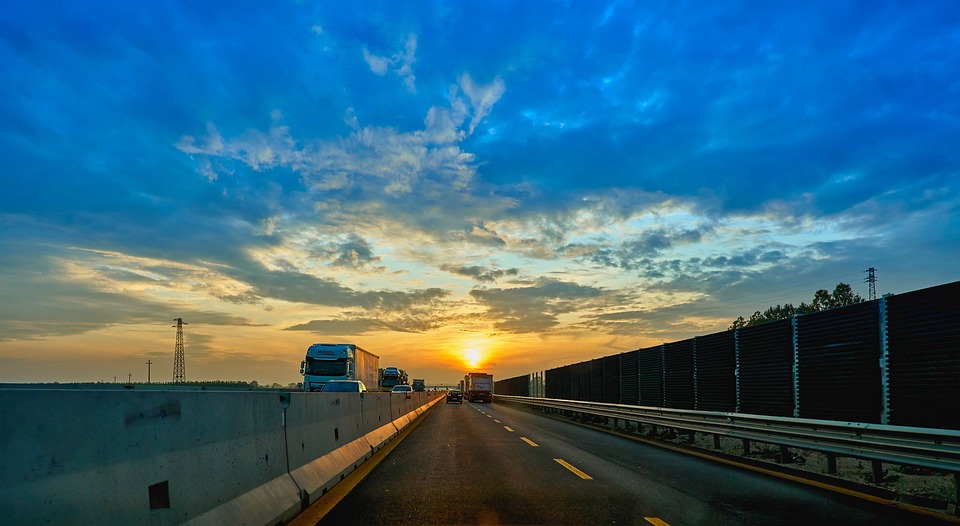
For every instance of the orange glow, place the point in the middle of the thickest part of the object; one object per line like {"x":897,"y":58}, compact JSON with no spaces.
{"x":474,"y":353}
{"x":473,"y":357}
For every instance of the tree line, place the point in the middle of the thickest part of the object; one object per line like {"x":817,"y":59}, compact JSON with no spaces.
{"x":822,"y":300}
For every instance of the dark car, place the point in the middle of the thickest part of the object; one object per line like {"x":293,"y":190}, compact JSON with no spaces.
{"x":454,"y":395}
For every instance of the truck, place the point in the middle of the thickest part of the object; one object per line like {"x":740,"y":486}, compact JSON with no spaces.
{"x":419,"y":385}
{"x":338,"y":361}
{"x":478,"y":387}
{"x":390,"y":377}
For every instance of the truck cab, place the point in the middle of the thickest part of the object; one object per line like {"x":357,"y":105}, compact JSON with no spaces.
{"x":325,"y":362}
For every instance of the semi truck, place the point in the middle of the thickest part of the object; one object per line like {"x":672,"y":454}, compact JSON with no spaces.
{"x":338,"y":361}
{"x":390,"y":377}
{"x":478,"y":387}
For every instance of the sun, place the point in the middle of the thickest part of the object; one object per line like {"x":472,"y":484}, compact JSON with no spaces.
{"x":473,"y":357}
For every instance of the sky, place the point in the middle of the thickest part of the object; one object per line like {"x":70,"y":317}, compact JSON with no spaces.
{"x":498,"y":186}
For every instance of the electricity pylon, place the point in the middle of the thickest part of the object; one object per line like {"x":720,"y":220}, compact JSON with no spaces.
{"x":179,"y":369}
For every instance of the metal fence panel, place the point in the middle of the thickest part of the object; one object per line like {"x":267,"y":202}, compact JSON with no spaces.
{"x":630,"y":378}
{"x":583,"y":373}
{"x":766,"y":368}
{"x":838,"y":364}
{"x":611,"y":379}
{"x":923,"y":357}
{"x":596,"y":380}
{"x":678,"y":374}
{"x":553,"y":383}
{"x":651,"y":376}
{"x":716,"y":362}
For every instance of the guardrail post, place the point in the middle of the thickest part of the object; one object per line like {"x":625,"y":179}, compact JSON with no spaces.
{"x":956,"y":495}
{"x":746,"y":447}
{"x":831,"y":463}
{"x":716,"y":441}
{"x":784,"y":455}
{"x":877,"y":471}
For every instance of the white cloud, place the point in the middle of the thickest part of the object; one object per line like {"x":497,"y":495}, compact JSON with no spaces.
{"x":401,"y":63}
{"x":377,"y":63}
{"x":482,"y":98}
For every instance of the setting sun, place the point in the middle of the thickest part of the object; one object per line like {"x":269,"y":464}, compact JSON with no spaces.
{"x":473,"y":357}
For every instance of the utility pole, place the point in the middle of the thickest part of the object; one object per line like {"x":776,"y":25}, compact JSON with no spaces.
{"x":149,"y":363}
{"x":179,"y":368}
{"x":871,"y":280}
{"x":129,"y":378}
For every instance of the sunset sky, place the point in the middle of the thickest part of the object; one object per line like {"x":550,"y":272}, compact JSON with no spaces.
{"x":509,"y":186}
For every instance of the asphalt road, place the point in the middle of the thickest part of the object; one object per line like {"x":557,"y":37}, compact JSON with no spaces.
{"x":493,"y":464}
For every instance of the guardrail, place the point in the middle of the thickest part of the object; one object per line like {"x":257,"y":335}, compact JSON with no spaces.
{"x":931,"y":448}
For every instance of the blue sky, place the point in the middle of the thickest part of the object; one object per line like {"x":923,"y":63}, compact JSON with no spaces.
{"x":527,"y":184}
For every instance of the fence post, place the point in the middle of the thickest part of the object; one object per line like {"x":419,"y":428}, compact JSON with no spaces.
{"x":736,"y":368}
{"x":884,"y":377}
{"x":796,"y":382}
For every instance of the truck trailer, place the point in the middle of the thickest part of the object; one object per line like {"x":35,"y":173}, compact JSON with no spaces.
{"x":478,"y":387}
{"x":338,"y":361}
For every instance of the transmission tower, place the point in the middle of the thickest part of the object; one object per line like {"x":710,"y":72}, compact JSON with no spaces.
{"x":871,"y":280}
{"x":179,"y":370}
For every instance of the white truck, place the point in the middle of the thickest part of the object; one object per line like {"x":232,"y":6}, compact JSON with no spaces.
{"x":338,"y":361}
{"x":478,"y":387}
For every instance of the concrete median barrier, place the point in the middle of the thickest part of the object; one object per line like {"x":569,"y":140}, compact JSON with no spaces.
{"x":183,"y":457}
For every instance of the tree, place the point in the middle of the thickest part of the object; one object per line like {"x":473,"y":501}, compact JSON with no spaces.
{"x":822,"y":300}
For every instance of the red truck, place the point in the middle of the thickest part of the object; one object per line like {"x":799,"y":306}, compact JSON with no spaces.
{"x":478,"y":387}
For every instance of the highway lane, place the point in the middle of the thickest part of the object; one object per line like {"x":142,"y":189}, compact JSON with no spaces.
{"x":494,"y":464}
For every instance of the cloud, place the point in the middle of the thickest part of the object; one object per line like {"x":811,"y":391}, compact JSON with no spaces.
{"x":480,"y":273}
{"x":535,"y":307}
{"x":634,"y":252}
{"x":482,"y":98}
{"x":400,"y":63}
{"x":56,"y":297}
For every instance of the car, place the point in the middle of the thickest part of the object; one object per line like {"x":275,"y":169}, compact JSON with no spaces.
{"x":344,"y":386}
{"x":454,"y":395}
{"x":402,"y":388}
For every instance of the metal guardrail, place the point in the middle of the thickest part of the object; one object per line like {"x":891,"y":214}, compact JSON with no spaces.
{"x":930,"y":448}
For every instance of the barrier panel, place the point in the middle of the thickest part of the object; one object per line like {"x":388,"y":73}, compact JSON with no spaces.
{"x":182,"y":457}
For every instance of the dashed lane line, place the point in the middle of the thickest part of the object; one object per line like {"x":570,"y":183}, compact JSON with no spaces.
{"x":655,"y":521}
{"x":508,"y":428}
{"x":572,"y":469}
{"x":528,"y":441}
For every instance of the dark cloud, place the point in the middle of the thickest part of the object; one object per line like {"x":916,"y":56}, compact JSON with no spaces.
{"x":636,"y":252}
{"x":480,"y":273}
{"x":535,"y":307}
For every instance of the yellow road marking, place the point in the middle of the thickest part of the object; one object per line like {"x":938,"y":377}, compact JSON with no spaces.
{"x":508,"y":428}
{"x":574,"y":470}
{"x":488,"y":416}
{"x":528,"y":441}
{"x":497,"y":421}
{"x":655,"y":521}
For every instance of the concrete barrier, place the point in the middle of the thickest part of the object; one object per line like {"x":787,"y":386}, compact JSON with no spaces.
{"x":182,"y":457}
